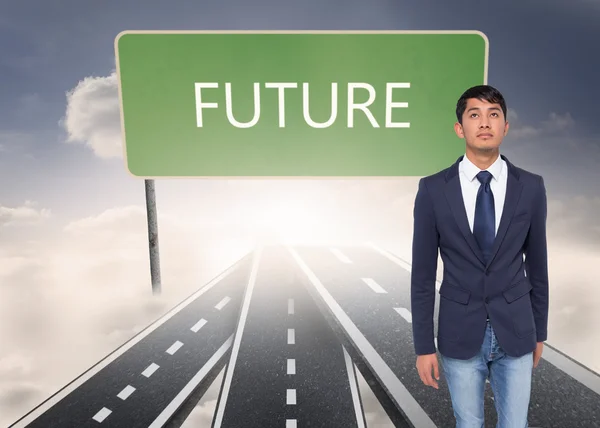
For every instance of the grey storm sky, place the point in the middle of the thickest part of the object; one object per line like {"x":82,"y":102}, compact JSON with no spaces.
{"x":541,"y":57}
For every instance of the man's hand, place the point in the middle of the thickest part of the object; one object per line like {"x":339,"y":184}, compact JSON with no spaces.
{"x":537,"y":354}
{"x":425,"y":365}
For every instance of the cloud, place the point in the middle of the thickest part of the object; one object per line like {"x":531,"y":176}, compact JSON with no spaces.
{"x":16,"y":393}
{"x":203,"y":413}
{"x":575,"y":219}
{"x":574,"y":301}
{"x":555,"y":123}
{"x":92,"y":116}
{"x":25,"y":214}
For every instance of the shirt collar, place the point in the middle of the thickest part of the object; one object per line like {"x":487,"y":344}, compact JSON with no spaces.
{"x":471,"y":170}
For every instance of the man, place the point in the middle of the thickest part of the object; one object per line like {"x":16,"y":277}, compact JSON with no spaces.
{"x":487,"y":218}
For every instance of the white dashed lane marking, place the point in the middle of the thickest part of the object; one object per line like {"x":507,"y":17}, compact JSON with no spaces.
{"x":374,"y":286}
{"x":341,"y":256}
{"x":150,"y":370}
{"x":222,"y":303}
{"x":198,"y":325}
{"x":291,"y":397}
{"x":291,"y":366}
{"x":405,"y":313}
{"x":102,"y":414}
{"x":126,"y":392}
{"x":174,"y":347}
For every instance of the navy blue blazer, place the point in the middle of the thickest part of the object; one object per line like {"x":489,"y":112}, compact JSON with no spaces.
{"x":510,"y":288}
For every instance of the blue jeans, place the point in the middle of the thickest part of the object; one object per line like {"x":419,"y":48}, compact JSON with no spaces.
{"x":510,"y":379}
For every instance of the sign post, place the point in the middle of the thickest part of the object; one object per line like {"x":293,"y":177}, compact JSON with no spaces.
{"x":281,"y":104}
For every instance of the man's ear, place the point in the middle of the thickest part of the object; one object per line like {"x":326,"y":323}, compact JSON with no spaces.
{"x":506,"y":126}
{"x":459,"y":130}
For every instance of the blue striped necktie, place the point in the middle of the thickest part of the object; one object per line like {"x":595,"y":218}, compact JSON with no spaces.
{"x":484,"y":227}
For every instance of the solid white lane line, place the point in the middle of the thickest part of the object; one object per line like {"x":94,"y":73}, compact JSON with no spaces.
{"x":102,"y":414}
{"x":291,"y":336}
{"x":126,"y":392}
{"x":290,"y":397}
{"x":198,"y":325}
{"x":291,"y":366}
{"x":174,"y":347}
{"x":341,"y":256}
{"x":374,"y":286}
{"x":150,"y":370}
{"x":395,"y":388}
{"x":222,"y":303}
{"x":187,"y":390}
{"x":358,"y":412}
{"x":238,"y":338}
{"x":290,"y":306}
{"x":405,"y":313}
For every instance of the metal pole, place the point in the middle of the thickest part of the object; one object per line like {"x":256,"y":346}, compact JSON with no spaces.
{"x":153,"y":236}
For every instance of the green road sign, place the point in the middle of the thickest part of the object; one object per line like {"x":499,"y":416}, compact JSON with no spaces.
{"x":294,"y":104}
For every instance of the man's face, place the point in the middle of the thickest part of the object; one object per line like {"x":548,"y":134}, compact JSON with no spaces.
{"x":483,"y":125}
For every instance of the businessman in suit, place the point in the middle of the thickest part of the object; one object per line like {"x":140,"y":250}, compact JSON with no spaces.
{"x":487,"y":218}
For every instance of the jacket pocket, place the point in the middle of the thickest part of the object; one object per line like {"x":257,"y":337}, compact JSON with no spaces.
{"x":452,"y":311}
{"x":518,"y":298}
{"x":454,"y":293}
{"x":522,"y":287}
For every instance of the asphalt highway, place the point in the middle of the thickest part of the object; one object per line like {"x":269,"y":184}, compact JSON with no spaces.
{"x":290,"y":324}
{"x":147,"y":383}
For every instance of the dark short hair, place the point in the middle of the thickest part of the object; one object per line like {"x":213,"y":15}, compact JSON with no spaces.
{"x":482,"y":92}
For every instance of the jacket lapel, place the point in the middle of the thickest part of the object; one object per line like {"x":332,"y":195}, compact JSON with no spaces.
{"x":513,"y":193}
{"x":454,"y":197}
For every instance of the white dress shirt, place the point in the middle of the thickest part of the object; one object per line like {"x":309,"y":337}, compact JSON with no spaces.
{"x":470,"y":185}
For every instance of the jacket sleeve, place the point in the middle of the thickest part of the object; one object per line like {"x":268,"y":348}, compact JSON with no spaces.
{"x":423,"y":273}
{"x":536,"y":262}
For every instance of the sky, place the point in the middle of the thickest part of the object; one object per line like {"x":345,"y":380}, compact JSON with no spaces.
{"x":74,"y":266}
